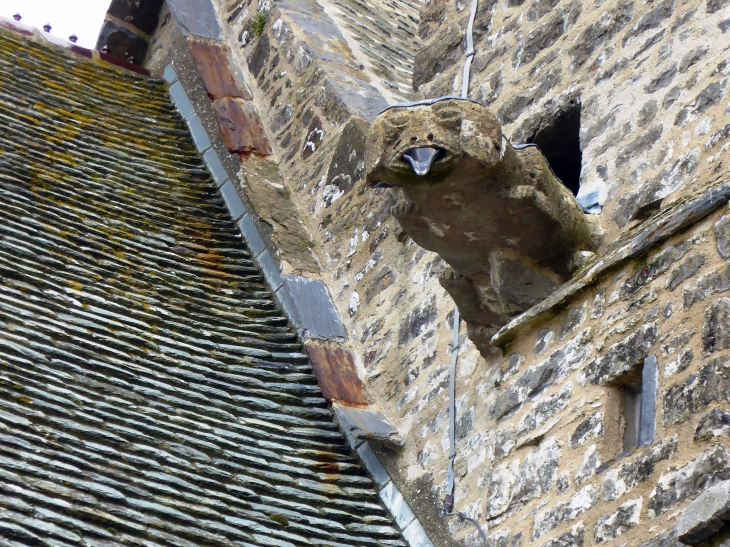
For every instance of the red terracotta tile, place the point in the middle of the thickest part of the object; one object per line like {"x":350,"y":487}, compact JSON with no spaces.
{"x":241,"y":126}
{"x":336,"y":372}
{"x":217,"y":70}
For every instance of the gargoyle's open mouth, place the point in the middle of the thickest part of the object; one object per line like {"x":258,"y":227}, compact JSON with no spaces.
{"x":422,"y":158}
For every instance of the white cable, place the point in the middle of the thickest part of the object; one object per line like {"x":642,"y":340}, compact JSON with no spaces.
{"x":469,"y":50}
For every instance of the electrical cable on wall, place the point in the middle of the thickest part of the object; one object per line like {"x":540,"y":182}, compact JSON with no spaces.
{"x":469,"y":50}
{"x":448,"y":506}
{"x":448,"y":503}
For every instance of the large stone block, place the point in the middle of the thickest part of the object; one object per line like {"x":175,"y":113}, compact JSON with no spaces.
{"x":546,"y":34}
{"x":521,"y":101}
{"x":710,"y":384}
{"x":716,"y":326}
{"x":685,"y":271}
{"x":539,"y":377}
{"x":650,"y":19}
{"x":715,"y":423}
{"x":563,"y":511}
{"x":666,"y":539}
{"x":279,"y":217}
{"x":417,"y":321}
{"x":639,"y":469}
{"x":622,"y":357}
{"x":347,"y":166}
{"x":716,"y":281}
{"x":654,"y":267}
{"x":575,"y":537}
{"x":630,"y":206}
{"x":589,"y":428}
{"x":611,"y":526}
{"x":589,"y":466}
{"x":443,"y":50}
{"x":705,"y":516}
{"x":722,"y":236}
{"x":545,"y":409}
{"x":512,"y":484}
{"x":707,"y":469}
{"x":341,"y":97}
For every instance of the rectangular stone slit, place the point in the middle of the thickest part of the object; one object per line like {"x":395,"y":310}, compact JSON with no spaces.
{"x":638,"y":391}
{"x":631,"y":412}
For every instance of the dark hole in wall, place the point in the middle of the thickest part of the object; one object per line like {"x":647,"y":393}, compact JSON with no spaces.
{"x":559,"y":141}
{"x":631,"y":414}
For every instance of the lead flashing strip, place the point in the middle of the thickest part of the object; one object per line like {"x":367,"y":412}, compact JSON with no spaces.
{"x":390,"y":495}
{"x":286,"y":293}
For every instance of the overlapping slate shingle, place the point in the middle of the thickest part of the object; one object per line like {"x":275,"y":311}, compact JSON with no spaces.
{"x":151,"y":394}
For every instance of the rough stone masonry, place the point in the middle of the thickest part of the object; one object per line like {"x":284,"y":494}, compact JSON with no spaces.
{"x":640,"y":90}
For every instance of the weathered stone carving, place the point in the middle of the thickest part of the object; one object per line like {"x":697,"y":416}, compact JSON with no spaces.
{"x":509,"y":230}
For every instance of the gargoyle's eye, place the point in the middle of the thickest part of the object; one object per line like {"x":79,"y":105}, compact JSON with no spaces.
{"x":421,"y":159}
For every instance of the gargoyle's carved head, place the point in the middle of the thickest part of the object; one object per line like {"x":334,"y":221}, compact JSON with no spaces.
{"x":424,"y":144}
{"x":507,"y":227}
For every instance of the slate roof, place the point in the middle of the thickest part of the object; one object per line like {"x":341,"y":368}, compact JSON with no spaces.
{"x":150,"y":391}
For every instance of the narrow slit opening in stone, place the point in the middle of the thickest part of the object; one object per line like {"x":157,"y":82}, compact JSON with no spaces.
{"x":559,"y":141}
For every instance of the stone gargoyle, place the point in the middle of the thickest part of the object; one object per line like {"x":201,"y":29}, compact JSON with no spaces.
{"x":509,"y":230}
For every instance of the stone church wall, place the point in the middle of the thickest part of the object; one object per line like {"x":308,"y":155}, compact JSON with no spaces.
{"x":538,"y":420}
{"x":649,"y":78}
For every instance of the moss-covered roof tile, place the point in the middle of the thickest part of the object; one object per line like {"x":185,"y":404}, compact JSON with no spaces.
{"x":150,"y":391}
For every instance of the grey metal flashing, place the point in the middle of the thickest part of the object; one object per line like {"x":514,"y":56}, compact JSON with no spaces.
{"x":270,"y":270}
{"x":215,"y":166}
{"x":416,"y":536}
{"x":287,"y":304}
{"x":307,"y":304}
{"x":169,"y":75}
{"x":180,"y":98}
{"x":197,"y":18}
{"x":393,"y":500}
{"x":649,"y":388}
{"x":391,"y":496}
{"x":200,"y":135}
{"x":373,"y":465}
{"x":251,"y":234}
{"x":235,"y":205}
{"x":314,"y":307}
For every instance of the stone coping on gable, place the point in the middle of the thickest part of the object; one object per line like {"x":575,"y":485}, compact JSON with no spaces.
{"x":298,"y":296}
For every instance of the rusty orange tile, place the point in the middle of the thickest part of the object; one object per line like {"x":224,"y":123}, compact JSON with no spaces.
{"x":217,"y":70}
{"x":336,"y":372}
{"x":241,"y":126}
